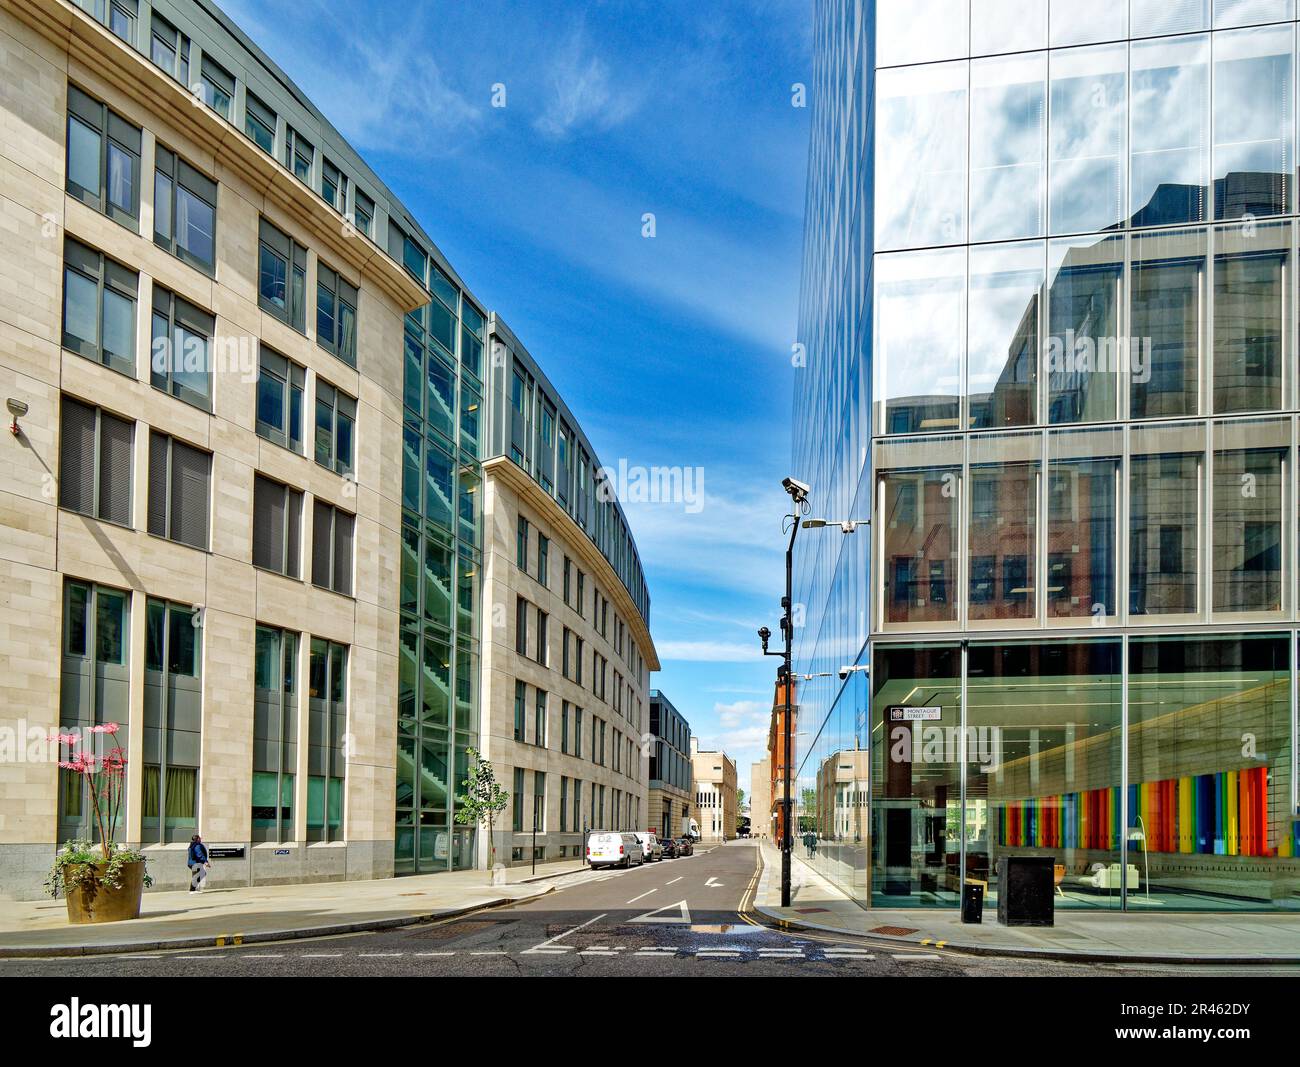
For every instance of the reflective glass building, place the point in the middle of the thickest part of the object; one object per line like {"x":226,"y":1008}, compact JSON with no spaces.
{"x":1049,"y":312}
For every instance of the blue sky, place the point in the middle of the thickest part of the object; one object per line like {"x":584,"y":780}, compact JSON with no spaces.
{"x":672,"y":350}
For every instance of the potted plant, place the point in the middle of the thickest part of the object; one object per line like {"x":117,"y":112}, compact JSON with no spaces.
{"x":102,"y":882}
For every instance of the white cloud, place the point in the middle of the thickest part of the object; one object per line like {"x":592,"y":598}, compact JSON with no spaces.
{"x":706,"y":651}
{"x":741,"y":712}
{"x":582,"y":96}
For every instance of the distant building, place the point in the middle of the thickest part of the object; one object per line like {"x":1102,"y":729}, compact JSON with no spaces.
{"x":760,"y":798}
{"x":668,"y":810}
{"x":776,"y":761}
{"x":715,"y":793}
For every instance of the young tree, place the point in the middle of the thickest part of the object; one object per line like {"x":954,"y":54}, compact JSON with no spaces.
{"x":482,"y":801}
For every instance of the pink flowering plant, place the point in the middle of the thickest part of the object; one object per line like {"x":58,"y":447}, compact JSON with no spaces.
{"x":83,"y":863}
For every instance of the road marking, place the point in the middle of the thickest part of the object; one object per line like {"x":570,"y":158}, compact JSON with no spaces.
{"x":378,"y":955}
{"x":835,"y":954}
{"x":543,"y":945}
{"x":650,"y":950}
{"x":265,"y":956}
{"x":683,"y":914}
{"x":434,"y":953}
{"x":642,"y":896}
{"x":321,"y":955}
{"x":195,"y":957}
{"x":494,"y":952}
{"x":675,"y":880}
{"x":713,"y":883}
{"x":908,"y":957}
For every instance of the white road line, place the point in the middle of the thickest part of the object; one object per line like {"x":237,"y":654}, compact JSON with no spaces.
{"x":908,"y":957}
{"x":270,"y":956}
{"x":321,"y":955}
{"x":379,"y":955}
{"x":642,"y":896}
{"x":551,"y":940}
{"x":143,"y":957}
{"x":494,"y":952}
{"x":434,"y":953}
{"x":209,"y":956}
{"x":848,"y":955}
{"x":675,"y":880}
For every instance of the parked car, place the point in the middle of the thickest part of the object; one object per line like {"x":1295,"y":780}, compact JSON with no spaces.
{"x":650,"y":845}
{"x":671,"y":849}
{"x":685,"y":846}
{"x":608,"y":848}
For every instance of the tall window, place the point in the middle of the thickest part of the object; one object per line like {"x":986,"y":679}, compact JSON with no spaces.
{"x":543,"y":559}
{"x":282,"y":277}
{"x":275,"y":733}
{"x":521,"y":544}
{"x":99,"y":301}
{"x":521,"y":712}
{"x":336,"y":419}
{"x":333,"y":186}
{"x":95,"y":685}
{"x":95,"y":453}
{"x":539,"y":801}
{"x":543,"y":638}
{"x":277,"y":527}
{"x":521,"y":626}
{"x":280,"y":387}
{"x":331,"y":553}
{"x":327,"y":723}
{"x":259,"y":123}
{"x":364,"y":214}
{"x":218,"y":87}
{"x":180,"y":478}
{"x":299,"y":154}
{"x":336,"y":314}
{"x":103,"y":163}
{"x":173,"y":716}
{"x":180,"y":354}
{"x":170,"y":50}
{"x":539,"y":720}
{"x":184,"y":211}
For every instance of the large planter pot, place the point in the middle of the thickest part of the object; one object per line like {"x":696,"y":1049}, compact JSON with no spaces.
{"x":92,"y":901}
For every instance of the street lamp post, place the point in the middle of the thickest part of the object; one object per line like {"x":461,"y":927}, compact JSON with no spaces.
{"x":799,"y":495}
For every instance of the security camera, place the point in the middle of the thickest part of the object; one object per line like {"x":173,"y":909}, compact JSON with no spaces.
{"x":798,"y":490}
{"x":844,"y":672}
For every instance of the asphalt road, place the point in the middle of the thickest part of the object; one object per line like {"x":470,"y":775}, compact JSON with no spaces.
{"x":674,"y":918}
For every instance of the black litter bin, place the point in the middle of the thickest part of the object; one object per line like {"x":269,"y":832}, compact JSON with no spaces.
{"x":972,"y":902}
{"x":1026,"y":889}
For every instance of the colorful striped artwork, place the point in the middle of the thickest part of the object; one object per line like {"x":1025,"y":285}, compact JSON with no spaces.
{"x":1223,"y":814}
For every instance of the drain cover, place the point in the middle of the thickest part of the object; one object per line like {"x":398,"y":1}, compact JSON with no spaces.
{"x":810,"y":911}
{"x":894,"y":931}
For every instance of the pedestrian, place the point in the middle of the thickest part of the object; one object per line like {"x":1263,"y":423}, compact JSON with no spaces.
{"x":198,"y":863}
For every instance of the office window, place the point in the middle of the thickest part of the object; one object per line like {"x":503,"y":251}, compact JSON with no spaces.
{"x":364,"y":214}
{"x":564,"y":807}
{"x":327,"y":719}
{"x":99,"y":300}
{"x":1250,"y":514}
{"x":564,"y":727}
{"x":471,"y":339}
{"x":521,"y":544}
{"x":331,"y":551}
{"x":180,"y":478}
{"x":282,"y":277}
{"x":543,"y":639}
{"x":543,"y":559}
{"x":1004,"y":473}
{"x":1251,"y":312}
{"x":172,"y":721}
{"x":564,"y":652}
{"x":577,"y":731}
{"x":521,"y":701}
{"x":539,"y":720}
{"x":184,"y":211}
{"x":280,"y":387}
{"x":1169,"y":161}
{"x":1167,"y":322}
{"x":1166,"y":484}
{"x":582,"y":594}
{"x":299,"y":154}
{"x":179,"y":360}
{"x":275,"y":733}
{"x":517,"y":802}
{"x":336,"y":418}
{"x":103,"y":159}
{"x":1008,"y":147}
{"x":521,"y":626}
{"x":95,"y":450}
{"x":568,"y":580}
{"x":277,"y":527}
{"x":217,"y":86}
{"x":336,"y":314}
{"x":259,"y":123}
{"x":1087,"y":137}
{"x":170,"y":50}
{"x":333,"y":186}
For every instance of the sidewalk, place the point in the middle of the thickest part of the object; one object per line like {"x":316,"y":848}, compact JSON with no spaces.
{"x":1174,"y":938}
{"x":245,"y":915}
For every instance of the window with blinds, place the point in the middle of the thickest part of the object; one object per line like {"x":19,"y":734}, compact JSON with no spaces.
{"x":180,"y":479}
{"x":180,"y":358}
{"x":103,"y":159}
{"x":277,"y":527}
{"x":95,"y":450}
{"x":336,"y":314}
{"x":336,"y":419}
{"x":331,"y":548}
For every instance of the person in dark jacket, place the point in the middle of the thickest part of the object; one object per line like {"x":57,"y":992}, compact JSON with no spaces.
{"x":198,"y":862}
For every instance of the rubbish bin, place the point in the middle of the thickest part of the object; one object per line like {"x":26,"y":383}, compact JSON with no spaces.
{"x":1026,"y":888}
{"x":972,"y":902}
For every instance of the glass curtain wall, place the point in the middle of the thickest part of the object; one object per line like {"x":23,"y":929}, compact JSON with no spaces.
{"x":441,"y":558}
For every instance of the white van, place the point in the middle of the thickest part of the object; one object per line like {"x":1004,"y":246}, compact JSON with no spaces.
{"x":608,"y":848}
{"x":652,"y":850}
